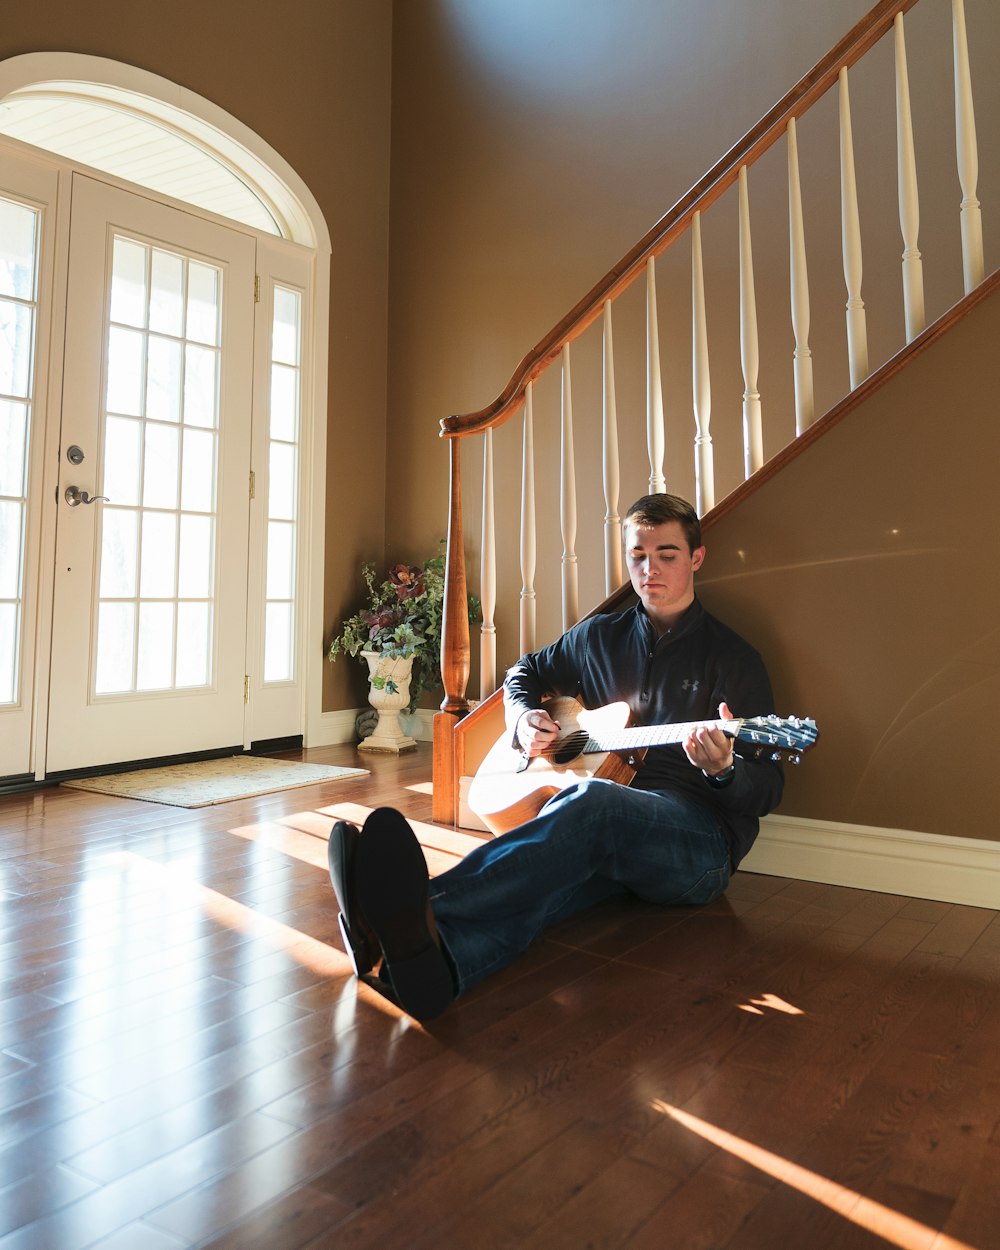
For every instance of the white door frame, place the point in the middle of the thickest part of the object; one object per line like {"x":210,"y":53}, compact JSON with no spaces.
{"x":241,"y":147}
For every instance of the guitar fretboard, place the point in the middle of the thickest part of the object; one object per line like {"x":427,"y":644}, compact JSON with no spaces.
{"x":654,"y":735}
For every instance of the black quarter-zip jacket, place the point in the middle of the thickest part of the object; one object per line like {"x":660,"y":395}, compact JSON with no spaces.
{"x":681,"y":676}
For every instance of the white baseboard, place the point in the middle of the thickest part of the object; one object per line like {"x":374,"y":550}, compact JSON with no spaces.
{"x":893,"y":861}
{"x":330,"y":728}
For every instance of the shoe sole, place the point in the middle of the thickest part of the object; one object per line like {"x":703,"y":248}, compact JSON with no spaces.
{"x":359,"y":950}
{"x":391,"y":884}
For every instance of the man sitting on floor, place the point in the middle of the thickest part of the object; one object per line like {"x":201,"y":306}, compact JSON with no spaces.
{"x":673,"y":836}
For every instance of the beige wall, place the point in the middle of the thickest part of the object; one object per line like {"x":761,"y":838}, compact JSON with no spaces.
{"x":866,"y":570}
{"x":313,"y":79}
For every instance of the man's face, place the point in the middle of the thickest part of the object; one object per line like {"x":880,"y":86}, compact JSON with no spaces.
{"x":662,"y":568}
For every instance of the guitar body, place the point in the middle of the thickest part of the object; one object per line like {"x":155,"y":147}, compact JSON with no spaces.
{"x":505,"y":792}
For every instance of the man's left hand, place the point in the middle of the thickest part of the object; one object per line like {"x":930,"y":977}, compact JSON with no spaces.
{"x":708,"y":748}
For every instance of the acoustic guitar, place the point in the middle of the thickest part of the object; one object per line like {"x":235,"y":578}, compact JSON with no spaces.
{"x":510,"y":788}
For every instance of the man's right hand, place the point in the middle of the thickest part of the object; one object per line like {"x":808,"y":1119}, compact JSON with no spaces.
{"x":536,"y":731}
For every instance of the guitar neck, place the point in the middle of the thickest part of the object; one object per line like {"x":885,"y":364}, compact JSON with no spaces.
{"x":654,"y":735}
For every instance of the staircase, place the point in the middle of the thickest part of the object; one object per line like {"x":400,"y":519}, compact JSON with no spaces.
{"x":460,"y":738}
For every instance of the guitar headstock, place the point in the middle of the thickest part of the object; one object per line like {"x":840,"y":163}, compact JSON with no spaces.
{"x":779,"y":733}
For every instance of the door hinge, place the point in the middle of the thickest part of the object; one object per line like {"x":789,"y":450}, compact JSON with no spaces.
{"x":256,"y":288}
{"x":246,"y":688}
{"x":253,"y":484}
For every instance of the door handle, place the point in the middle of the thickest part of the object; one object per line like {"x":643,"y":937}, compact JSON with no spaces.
{"x":75,"y":496}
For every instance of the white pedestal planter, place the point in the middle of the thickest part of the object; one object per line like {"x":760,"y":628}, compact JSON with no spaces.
{"x":388,"y":693}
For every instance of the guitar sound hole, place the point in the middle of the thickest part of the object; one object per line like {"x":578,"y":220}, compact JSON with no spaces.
{"x":570,"y":747}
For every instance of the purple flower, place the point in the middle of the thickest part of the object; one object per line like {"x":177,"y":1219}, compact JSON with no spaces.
{"x":408,"y":580}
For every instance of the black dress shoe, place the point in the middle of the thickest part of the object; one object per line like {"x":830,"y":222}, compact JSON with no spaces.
{"x":391,"y":886}
{"x":360,"y":942}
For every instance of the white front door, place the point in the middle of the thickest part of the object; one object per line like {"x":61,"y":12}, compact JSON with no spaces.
{"x":150,"y":591}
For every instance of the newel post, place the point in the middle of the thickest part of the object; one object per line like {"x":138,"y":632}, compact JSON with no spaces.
{"x":455,"y":652}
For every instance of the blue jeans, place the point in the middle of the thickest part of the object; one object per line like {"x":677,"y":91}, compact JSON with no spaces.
{"x":589,"y":843}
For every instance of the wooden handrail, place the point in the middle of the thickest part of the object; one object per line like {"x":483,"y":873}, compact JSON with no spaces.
{"x":868,"y":31}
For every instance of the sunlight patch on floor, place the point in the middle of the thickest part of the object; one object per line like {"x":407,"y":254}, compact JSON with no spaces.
{"x":305,"y":835}
{"x":309,"y":952}
{"x":891,"y":1226}
{"x":770,"y":1002}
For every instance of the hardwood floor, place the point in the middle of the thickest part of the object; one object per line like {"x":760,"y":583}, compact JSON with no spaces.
{"x":186,"y":1060}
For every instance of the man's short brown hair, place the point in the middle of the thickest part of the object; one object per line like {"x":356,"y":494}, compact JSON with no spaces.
{"x":658,"y":509}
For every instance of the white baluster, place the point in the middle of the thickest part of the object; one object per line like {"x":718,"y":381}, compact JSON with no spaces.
{"x":850,"y":225}
{"x":968,"y":154}
{"x":567,"y":501}
{"x":802,"y":366}
{"x":612,"y":521}
{"x":909,"y":207}
{"x":753,"y":438}
{"x":701,"y":381}
{"x":654,"y":390}
{"x":488,"y":578}
{"x":527,"y":637}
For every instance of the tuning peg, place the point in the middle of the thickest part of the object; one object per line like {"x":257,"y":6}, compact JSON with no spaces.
{"x":776,"y":756}
{"x":795,"y":759}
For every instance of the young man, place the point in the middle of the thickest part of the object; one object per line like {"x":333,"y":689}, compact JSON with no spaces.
{"x":672,"y":837}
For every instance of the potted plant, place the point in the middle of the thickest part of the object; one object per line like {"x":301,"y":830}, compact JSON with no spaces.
{"x":398,"y":635}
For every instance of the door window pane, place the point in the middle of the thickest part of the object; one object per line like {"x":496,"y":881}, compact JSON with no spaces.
{"x":163,"y":379}
{"x":203,"y":304}
{"x":13,"y":447}
{"x":159,"y":555}
{"x":155,"y":660}
{"x":278,"y":648}
{"x":18,"y":243}
{"x":281,"y":481}
{"x":193,"y":636}
{"x":197,"y":552}
{"x":166,"y":299}
{"x":128,"y":283}
{"x":119,"y":541}
{"x":121,"y":460}
{"x":8,"y":652}
{"x":115,"y":640}
{"x":201,"y":387}
{"x":285,"y":333}
{"x":11,"y":526}
{"x":125,"y":360}
{"x":17,"y":323}
{"x":160,"y":466}
{"x":280,"y":560}
{"x":198,"y":480}
{"x":284,"y":403}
